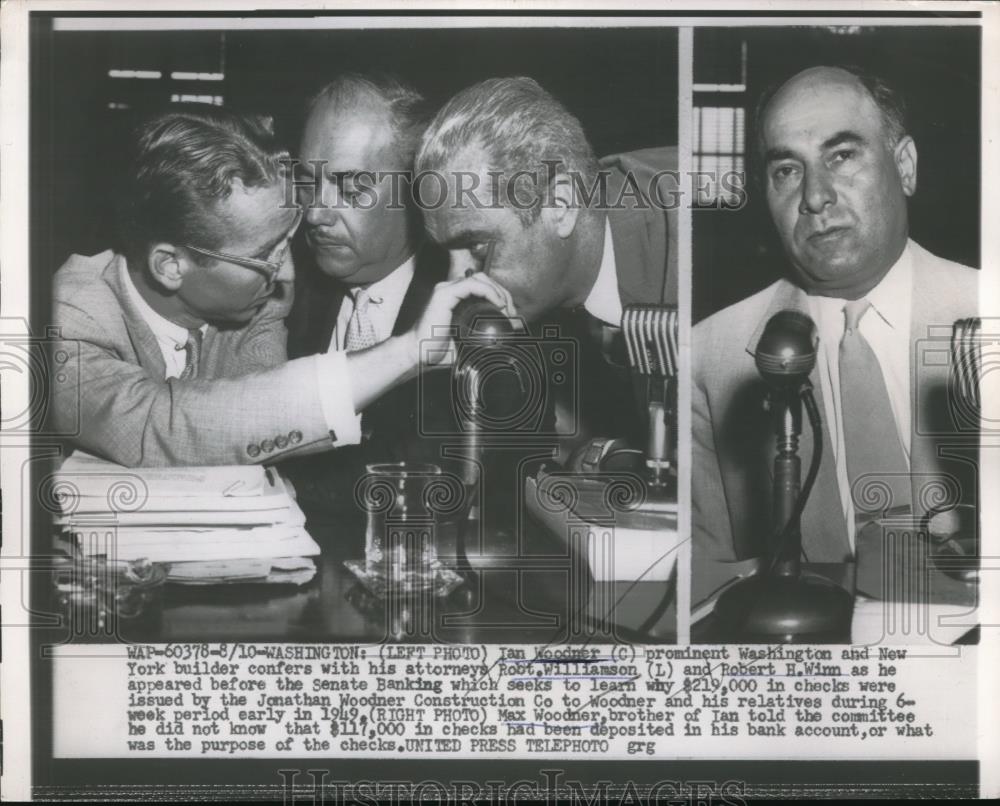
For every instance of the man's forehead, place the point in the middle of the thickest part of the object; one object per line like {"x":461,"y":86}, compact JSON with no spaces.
{"x":816,"y":105}
{"x":355,"y":137}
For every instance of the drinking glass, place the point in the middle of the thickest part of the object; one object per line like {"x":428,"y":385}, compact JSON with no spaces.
{"x":405,"y":505}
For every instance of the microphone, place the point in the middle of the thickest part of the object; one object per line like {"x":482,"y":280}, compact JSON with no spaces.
{"x":786,"y":351}
{"x":967,"y":367}
{"x":650,"y":332}
{"x":780,"y":604}
{"x":482,"y":334}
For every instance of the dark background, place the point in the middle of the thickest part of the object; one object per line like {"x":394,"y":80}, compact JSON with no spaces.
{"x":937,"y":70}
{"x":621,"y":84}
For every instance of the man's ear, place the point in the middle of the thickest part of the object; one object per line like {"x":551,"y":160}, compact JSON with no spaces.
{"x":167,"y":266}
{"x":561,"y":209}
{"x":905,"y":154}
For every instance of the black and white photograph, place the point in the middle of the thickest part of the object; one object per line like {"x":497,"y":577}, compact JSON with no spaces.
{"x":834,"y":403}
{"x":518,"y":402}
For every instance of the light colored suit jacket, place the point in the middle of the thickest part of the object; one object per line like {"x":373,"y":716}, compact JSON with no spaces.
{"x":733,"y":438}
{"x":247,"y":404}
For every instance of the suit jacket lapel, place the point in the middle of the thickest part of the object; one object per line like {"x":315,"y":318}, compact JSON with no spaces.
{"x":431,"y":267}
{"x":325,"y":308}
{"x":824,"y":513}
{"x":143,"y":341}
{"x":631,"y":247}
{"x":641,"y":231}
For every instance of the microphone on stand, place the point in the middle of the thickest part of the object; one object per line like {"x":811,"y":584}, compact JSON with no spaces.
{"x":482,"y":332}
{"x":650,"y":332}
{"x":780,"y":604}
{"x":967,"y":367}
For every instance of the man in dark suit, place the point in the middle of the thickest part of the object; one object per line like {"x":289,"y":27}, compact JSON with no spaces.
{"x":372,"y":271}
{"x":839,"y":166}
{"x":573,"y":239}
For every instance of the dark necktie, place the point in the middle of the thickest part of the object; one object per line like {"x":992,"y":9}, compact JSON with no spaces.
{"x":871,"y":438}
{"x":192,"y":351}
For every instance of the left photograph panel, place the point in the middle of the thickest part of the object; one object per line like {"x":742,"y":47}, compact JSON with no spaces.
{"x":355,"y":336}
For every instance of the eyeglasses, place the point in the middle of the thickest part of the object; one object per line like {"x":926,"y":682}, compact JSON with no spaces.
{"x":271,"y":267}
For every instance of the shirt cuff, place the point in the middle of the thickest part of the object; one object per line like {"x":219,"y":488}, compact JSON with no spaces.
{"x":337,"y":398}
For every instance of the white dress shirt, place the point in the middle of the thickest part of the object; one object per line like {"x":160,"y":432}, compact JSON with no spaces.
{"x":886,"y":328}
{"x":171,"y":338}
{"x":332,"y":373}
{"x":385,"y":298}
{"x":604,"y":302}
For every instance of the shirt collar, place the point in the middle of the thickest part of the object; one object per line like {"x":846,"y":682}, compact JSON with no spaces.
{"x":890,"y":299}
{"x":394,"y":285}
{"x":162,"y":327}
{"x":604,"y":302}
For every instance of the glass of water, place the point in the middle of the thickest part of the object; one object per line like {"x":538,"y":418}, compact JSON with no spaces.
{"x":404,"y":504}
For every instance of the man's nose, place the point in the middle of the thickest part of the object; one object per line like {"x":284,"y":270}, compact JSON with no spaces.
{"x":322,"y":209}
{"x":320,"y":214}
{"x":817,"y":192}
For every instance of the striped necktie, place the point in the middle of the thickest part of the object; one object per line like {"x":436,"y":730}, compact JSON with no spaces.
{"x":192,"y":350}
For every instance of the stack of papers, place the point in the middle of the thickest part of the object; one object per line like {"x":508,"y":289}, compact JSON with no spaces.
{"x":207,"y":524}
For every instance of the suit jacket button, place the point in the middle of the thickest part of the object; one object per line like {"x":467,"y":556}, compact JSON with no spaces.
{"x":295,"y":437}
{"x":267,"y":446}
{"x":253,"y":451}
{"x":281,"y":442}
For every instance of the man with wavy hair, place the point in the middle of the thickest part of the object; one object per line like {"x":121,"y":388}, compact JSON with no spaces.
{"x":506,"y":171}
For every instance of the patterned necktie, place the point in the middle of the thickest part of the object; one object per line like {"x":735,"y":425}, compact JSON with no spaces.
{"x":360,"y":330}
{"x":192,"y":350}
{"x":871,"y":439}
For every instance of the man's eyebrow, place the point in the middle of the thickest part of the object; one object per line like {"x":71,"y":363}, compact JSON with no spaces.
{"x":461,"y":240}
{"x":775,"y":154}
{"x":843,"y":138}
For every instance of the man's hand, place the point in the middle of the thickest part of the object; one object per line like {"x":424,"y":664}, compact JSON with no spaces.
{"x":377,"y":369}
{"x":430,"y":339}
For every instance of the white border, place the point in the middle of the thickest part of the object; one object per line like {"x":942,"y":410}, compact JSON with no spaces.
{"x":15,"y":694}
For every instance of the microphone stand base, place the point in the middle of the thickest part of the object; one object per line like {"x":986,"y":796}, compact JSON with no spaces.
{"x":777,"y":609}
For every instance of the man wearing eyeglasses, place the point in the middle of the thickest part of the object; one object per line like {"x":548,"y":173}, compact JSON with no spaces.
{"x":176,"y":339}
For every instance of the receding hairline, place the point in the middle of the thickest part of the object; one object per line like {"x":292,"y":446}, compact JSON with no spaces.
{"x":835,"y":77}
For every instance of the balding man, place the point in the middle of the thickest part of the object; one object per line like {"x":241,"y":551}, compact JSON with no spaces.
{"x":839,"y":167}
{"x":371,"y":272}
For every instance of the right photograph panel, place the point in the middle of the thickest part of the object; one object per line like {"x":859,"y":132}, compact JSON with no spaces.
{"x":836,"y":328}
